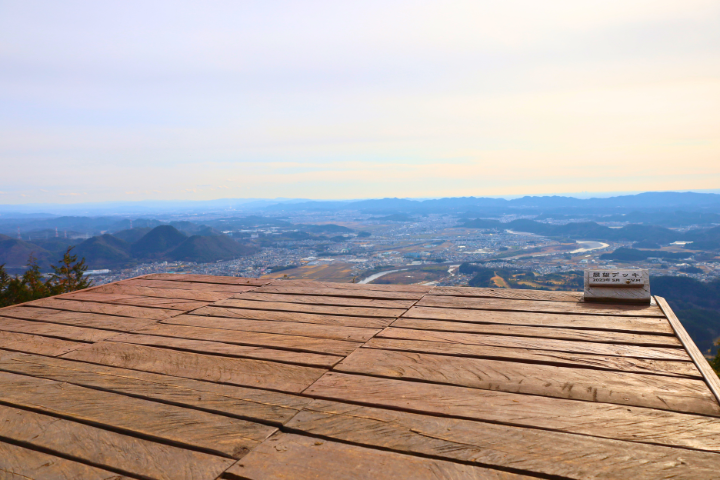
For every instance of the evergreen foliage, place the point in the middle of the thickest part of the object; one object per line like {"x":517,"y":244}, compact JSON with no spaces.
{"x":68,"y":276}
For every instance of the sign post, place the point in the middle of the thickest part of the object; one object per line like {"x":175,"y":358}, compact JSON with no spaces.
{"x":617,"y":286}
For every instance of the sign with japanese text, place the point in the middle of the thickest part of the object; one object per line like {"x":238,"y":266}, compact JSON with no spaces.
{"x":616,"y":278}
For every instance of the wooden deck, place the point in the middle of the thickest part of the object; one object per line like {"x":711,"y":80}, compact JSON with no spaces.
{"x":200,"y":377}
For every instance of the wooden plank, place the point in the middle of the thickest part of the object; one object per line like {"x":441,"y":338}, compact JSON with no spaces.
{"x":654,"y":391}
{"x":196,"y":287}
{"x":240,"y":402}
{"x":287,"y":456}
{"x":635,"y":424}
{"x":509,"y":293}
{"x":271,"y":340}
{"x":65,"y":332}
{"x":351,"y":286}
{"x":581,"y":308}
{"x":22,"y":342}
{"x":305,"y":308}
{"x":106,"y":308}
{"x":712,"y":379}
{"x":351,"y":334}
{"x":107,"y":449}
{"x":229,"y":350}
{"x":570,"y":346}
{"x":90,"y":320}
{"x":188,"y":277}
{"x":18,"y":463}
{"x":134,"y":300}
{"x":234,"y":371}
{"x":202,"y":295}
{"x":216,"y":434}
{"x":602,"y":362}
{"x":584,"y":335}
{"x":620,"y":324}
{"x":325,"y":300}
{"x":337,"y":320}
{"x":530,"y":450}
{"x":340,"y":291}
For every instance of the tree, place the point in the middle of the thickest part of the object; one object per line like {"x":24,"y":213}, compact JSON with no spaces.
{"x":68,"y":276}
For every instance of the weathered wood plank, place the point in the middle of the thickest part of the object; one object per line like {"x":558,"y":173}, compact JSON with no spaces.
{"x":250,"y":403}
{"x":188,"y":277}
{"x":287,"y":342}
{"x":585,"y":335}
{"x":90,"y":320}
{"x":134,"y":300}
{"x":653,"y":391}
{"x":308,"y":308}
{"x":234,"y":371}
{"x":107,"y":449}
{"x":196,"y":287}
{"x":22,"y":342}
{"x":700,"y":361}
{"x":658,"y":353}
{"x":535,"y":306}
{"x":602,"y":362}
{"x":18,"y":463}
{"x":325,"y":300}
{"x":192,"y":428}
{"x":509,"y":293}
{"x":351,"y":286}
{"x":351,"y":334}
{"x":276,"y":316}
{"x":229,"y":350}
{"x":106,"y":308}
{"x":620,"y":324}
{"x":65,"y":332}
{"x":201,"y":295}
{"x":531,"y":450}
{"x":287,"y":456}
{"x":340,"y":291}
{"x":605,"y":420}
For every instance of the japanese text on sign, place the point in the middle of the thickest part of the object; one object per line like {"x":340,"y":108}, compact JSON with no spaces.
{"x":617,"y":278}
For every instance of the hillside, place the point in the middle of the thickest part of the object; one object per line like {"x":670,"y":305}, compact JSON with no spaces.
{"x":204,"y":249}
{"x":14,"y":253}
{"x":104,"y":251}
{"x":157,"y":242}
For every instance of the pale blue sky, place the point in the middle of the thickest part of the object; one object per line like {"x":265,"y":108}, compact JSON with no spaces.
{"x":134,"y":100}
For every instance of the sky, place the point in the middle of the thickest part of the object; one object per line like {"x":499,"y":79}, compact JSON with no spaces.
{"x":173,"y":100}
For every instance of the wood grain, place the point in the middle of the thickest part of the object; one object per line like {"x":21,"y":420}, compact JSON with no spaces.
{"x":229,"y":350}
{"x":200,"y":295}
{"x":187,"y":277}
{"x":240,"y":402}
{"x":134,"y":300}
{"x":18,"y":463}
{"x":530,"y":450}
{"x":620,"y":324}
{"x":106,"y":308}
{"x":585,"y":335}
{"x":547,"y":307}
{"x":91,"y":320}
{"x":341,"y":291}
{"x":22,"y":342}
{"x":192,"y":428}
{"x":278,"y":316}
{"x":308,"y":308}
{"x":296,"y":457}
{"x":107,"y":449}
{"x":667,"y":393}
{"x":325,"y":300}
{"x":602,"y":362}
{"x":234,"y":371}
{"x":509,"y":293}
{"x":195,"y":287}
{"x":712,"y":379}
{"x":350,"y":334}
{"x":373,"y":287}
{"x":65,"y":332}
{"x":658,"y":353}
{"x":635,"y":424}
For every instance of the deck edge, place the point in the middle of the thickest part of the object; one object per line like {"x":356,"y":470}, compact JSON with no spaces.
{"x":711,"y":378}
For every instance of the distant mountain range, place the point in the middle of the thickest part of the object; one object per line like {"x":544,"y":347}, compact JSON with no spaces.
{"x":126,"y":247}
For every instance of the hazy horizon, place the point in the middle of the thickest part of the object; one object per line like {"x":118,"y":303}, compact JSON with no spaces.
{"x":177,"y":101}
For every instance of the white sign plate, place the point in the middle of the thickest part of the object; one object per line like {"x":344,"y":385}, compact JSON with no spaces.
{"x":616,"y":278}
